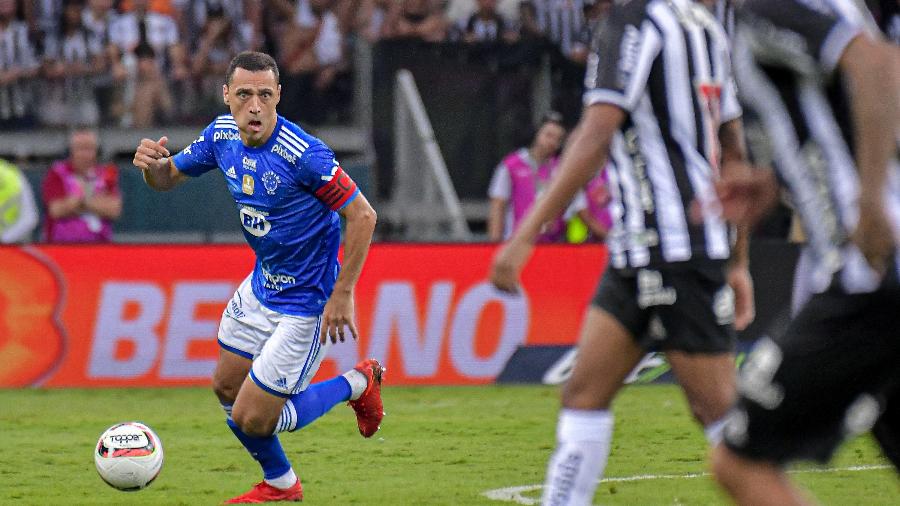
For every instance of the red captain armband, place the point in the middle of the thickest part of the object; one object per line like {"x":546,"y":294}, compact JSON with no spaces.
{"x":338,"y":190}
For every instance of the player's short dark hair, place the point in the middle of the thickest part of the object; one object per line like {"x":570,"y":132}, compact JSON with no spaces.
{"x":254,"y":62}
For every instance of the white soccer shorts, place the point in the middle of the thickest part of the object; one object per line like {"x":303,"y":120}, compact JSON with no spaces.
{"x":285,"y":349}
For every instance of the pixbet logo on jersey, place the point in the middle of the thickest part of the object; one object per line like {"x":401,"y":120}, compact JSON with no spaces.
{"x":228,"y":135}
{"x":254,"y":222}
{"x":284,"y":153}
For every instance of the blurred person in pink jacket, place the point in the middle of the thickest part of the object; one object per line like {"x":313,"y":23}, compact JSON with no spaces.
{"x":520,"y":179}
{"x":81,"y":196}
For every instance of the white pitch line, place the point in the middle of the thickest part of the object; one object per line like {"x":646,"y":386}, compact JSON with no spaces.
{"x":514,"y":494}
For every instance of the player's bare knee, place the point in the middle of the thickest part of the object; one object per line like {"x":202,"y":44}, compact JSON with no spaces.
{"x":225,"y":390}
{"x":707,"y":413}
{"x":711,"y":406}
{"x":253,"y":424}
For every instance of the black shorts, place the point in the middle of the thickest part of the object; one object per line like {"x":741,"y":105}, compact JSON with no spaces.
{"x":685,"y":306}
{"x":834,"y":373}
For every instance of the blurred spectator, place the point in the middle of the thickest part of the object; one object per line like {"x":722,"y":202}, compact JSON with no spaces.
{"x":151,"y":50}
{"x":200,"y":15}
{"x":521,"y":178}
{"x":312,"y":62}
{"x":569,"y":68}
{"x":486,"y":25}
{"x":590,"y":217}
{"x":371,"y":18}
{"x":417,"y":19}
{"x":458,"y":12}
{"x":18,"y":65}
{"x":558,"y":21}
{"x":81,"y":196}
{"x":594,"y":12}
{"x":70,"y":64}
{"x":42,"y":17}
{"x":18,"y":212}
{"x":221,"y":37}
{"x":164,"y":7}
{"x":97,"y":19}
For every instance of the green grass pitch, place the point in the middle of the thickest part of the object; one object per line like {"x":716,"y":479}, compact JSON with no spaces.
{"x":437,"y":446}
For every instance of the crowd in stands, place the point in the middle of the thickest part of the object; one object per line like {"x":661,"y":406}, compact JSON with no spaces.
{"x":145,"y":62}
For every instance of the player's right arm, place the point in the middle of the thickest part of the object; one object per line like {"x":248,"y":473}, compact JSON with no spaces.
{"x":163,"y":171}
{"x":873,"y":75}
{"x":832,"y":40}
{"x":156,"y":164}
{"x":614,"y":81}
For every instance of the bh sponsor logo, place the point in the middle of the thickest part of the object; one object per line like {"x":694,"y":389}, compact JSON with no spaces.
{"x":227,"y":135}
{"x":254,"y":222}
{"x":276,"y":281}
{"x":249,"y":164}
{"x":284,"y":153}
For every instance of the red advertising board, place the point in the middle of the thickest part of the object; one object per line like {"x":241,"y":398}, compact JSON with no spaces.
{"x":147,"y":315}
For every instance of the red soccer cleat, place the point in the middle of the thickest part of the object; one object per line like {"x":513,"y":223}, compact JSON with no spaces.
{"x":369,"y":409}
{"x":263,"y":492}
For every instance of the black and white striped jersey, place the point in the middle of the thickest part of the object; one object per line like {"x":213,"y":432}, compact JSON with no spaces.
{"x":666,"y":63}
{"x":724,"y":12}
{"x":785,"y":58}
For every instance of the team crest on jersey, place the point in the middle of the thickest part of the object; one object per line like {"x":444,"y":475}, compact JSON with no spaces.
{"x":247,"y":184}
{"x":249,"y":164}
{"x":255,"y":222}
{"x":270,"y":181}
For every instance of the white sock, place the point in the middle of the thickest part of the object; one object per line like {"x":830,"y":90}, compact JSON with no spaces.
{"x":358,"y":383}
{"x":285,"y":481}
{"x":714,"y":431}
{"x":582,"y":448}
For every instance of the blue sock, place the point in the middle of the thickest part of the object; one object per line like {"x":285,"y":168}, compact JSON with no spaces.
{"x":266,"y":450}
{"x":303,"y":408}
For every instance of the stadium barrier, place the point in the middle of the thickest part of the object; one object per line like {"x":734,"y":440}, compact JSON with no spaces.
{"x":147,"y":315}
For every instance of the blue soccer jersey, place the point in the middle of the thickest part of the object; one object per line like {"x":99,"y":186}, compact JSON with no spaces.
{"x":287,"y":193}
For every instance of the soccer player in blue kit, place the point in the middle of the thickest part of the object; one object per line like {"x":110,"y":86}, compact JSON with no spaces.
{"x":290,"y":193}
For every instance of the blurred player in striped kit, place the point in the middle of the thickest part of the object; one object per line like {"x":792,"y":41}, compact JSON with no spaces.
{"x":661,"y":106}
{"x":828,"y":91}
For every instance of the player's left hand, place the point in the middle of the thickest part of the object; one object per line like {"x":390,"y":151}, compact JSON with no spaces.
{"x":745,"y":198}
{"x":337,"y":316}
{"x":744,"y":307}
{"x":508,"y":264}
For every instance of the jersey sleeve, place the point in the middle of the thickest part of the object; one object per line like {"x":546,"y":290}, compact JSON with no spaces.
{"x":199,"y":157}
{"x":323,"y":176}
{"x":621,"y":56}
{"x":787,"y":28}
{"x":501,"y":185}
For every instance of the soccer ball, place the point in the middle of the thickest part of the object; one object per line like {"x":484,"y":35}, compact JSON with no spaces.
{"x":128,"y":456}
